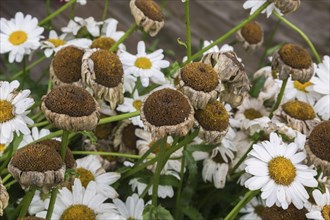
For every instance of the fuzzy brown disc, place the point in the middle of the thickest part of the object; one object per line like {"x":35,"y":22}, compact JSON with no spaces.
{"x":295,"y":56}
{"x":319,"y":141}
{"x":150,"y":9}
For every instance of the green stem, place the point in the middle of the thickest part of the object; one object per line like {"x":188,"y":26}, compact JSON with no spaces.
{"x":124,"y":37}
{"x":245,"y":155}
{"x":35,"y":116}
{"x":8,"y":185}
{"x":228,"y":34}
{"x":188,"y":33}
{"x":177,"y":205}
{"x":247,"y":198}
{"x":51,"y":203}
{"x":105,"y":10}
{"x":114,"y":154}
{"x":39,"y":124}
{"x":118,"y":117}
{"x":72,"y":11}
{"x":26,"y":201}
{"x":55,"y":13}
{"x":145,"y":191}
{"x":160,"y":163}
{"x":28,"y":67}
{"x":64,"y":143}
{"x":24,"y":71}
{"x":279,"y":98}
{"x":50,"y":136}
{"x":10,"y":153}
{"x":6,"y":178}
{"x":48,"y":7}
{"x":302,"y":34}
{"x":269,"y":43}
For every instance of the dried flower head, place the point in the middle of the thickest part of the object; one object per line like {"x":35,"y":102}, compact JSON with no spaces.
{"x":213,"y":121}
{"x":318,"y":146}
{"x":65,"y":67}
{"x":232,"y":74}
{"x":167,"y":112}
{"x":37,"y":165}
{"x":103,"y":43}
{"x":251,"y":36}
{"x":298,"y":115}
{"x":148,"y":15}
{"x":71,"y":108}
{"x":103,"y":72}
{"x":287,"y":6}
{"x":200,"y":83}
{"x":69,"y":161}
{"x":124,"y":138}
{"x":4,"y":198}
{"x":294,"y":60}
{"x":275,"y":212}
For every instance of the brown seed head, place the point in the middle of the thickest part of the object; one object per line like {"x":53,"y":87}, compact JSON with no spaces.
{"x":200,"y":76}
{"x":150,"y":9}
{"x":277,"y":213}
{"x":67,"y":64}
{"x":319,"y":141}
{"x":252,"y":32}
{"x":214,"y":117}
{"x":166,"y":107}
{"x":69,"y":159}
{"x":108,"y":68}
{"x":70,"y":100}
{"x":103,"y":43}
{"x":295,"y":56}
{"x":128,"y":136}
{"x":37,"y":157}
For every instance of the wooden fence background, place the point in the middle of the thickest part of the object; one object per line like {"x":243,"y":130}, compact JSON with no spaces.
{"x":209,"y":20}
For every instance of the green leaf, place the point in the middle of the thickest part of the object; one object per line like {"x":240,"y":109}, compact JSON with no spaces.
{"x":201,"y":147}
{"x":181,"y":42}
{"x":257,"y":86}
{"x":91,"y":136}
{"x":151,"y":212}
{"x":192,"y":213}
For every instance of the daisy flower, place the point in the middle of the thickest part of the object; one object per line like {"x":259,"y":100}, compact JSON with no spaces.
{"x":270,"y":87}
{"x":143,"y":145}
{"x":253,"y":210}
{"x":55,"y":43}
{"x":132,"y":105}
{"x":254,"y":5}
{"x":216,"y":49}
{"x":321,"y":85}
{"x":19,"y":36}
{"x":13,"y":110}
{"x":251,"y":116}
{"x":38,"y":203}
{"x":164,"y":191}
{"x":132,"y":208}
{"x":35,"y":135}
{"x":81,"y":203}
{"x":321,"y":210}
{"x":143,"y":65}
{"x":81,"y":2}
{"x":216,"y":163}
{"x":279,"y":174}
{"x":90,"y":169}
{"x":78,"y":23}
{"x":300,"y":91}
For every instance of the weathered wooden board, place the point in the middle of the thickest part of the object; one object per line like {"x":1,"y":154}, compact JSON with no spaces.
{"x":209,"y":20}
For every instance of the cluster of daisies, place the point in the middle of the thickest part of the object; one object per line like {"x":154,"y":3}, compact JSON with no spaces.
{"x":273,"y":139}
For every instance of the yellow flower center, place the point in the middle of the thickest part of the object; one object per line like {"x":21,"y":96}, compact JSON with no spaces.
{"x":299,"y":110}
{"x":85,"y":176}
{"x":137,"y":104}
{"x":18,"y":37}
{"x":56,"y":42}
{"x":6,"y":111}
{"x":75,"y":212}
{"x":302,"y":86}
{"x":143,"y":63}
{"x":326,"y":212}
{"x":281,"y":170}
{"x":2,"y":148}
{"x":251,"y":114}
